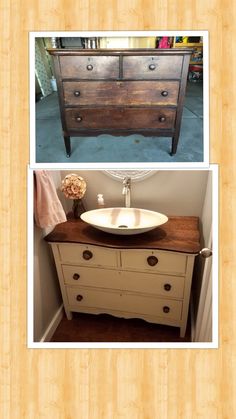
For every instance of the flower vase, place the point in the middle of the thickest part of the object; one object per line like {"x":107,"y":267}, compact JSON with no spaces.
{"x":77,"y":208}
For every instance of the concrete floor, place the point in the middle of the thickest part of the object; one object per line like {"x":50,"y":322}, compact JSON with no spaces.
{"x":107,"y":149}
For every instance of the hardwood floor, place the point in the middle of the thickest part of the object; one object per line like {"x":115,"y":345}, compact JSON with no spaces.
{"x":106,"y":328}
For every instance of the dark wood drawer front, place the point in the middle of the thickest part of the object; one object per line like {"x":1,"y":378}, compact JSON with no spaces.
{"x":86,"y":67}
{"x":152,"y":67}
{"x":126,"y":118}
{"x":121,"y":93}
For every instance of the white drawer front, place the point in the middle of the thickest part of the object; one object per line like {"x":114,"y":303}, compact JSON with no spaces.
{"x":164,"y":285}
{"x":90,"y":277}
{"x":88,"y":255}
{"x":139,"y":305}
{"x":154,"y":261}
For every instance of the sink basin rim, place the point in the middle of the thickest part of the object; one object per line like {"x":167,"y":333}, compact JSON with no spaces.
{"x":124,"y":229}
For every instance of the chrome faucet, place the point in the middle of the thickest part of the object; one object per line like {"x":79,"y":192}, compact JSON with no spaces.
{"x":126,"y":191}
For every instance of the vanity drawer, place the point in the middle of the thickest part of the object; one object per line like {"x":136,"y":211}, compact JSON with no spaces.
{"x":91,"y":277}
{"x":165,"y":285}
{"x":154,"y":260}
{"x":120,"y":118}
{"x":121,"y":93}
{"x":87,"y":255}
{"x":82,"y":298}
{"x":152,"y":67}
{"x":89,"y":67}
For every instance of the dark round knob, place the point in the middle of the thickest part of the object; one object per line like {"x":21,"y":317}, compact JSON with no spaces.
{"x":152,"y":260}
{"x":76,"y":276}
{"x":167,"y":287}
{"x":76,"y":93}
{"x":162,"y":119}
{"x":87,"y":254}
{"x":164,"y":93}
{"x":79,"y":297}
{"x":89,"y":67}
{"x":79,"y":118}
{"x":166,"y":309}
{"x":152,"y":67}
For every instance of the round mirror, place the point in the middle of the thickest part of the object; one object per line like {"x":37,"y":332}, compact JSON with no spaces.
{"x":135,"y":175}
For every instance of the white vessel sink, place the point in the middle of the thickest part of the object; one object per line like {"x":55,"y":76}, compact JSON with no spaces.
{"x":124,"y":220}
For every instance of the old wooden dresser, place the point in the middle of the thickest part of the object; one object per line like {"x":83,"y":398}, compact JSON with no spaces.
{"x":121,"y":92}
{"x":146,"y":276}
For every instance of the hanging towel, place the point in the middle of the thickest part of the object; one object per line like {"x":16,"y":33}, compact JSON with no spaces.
{"x":48,"y":210}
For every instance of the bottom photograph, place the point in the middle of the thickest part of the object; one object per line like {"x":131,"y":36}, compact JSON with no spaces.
{"x":122,"y":257}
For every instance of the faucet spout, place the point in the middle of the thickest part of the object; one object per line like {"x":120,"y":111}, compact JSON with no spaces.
{"x":126,"y":191}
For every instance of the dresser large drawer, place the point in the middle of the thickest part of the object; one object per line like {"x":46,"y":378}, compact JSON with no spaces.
{"x":154,"y":261}
{"x":126,"y":118}
{"x":80,"y":298}
{"x":152,"y":67}
{"x":164,"y":285}
{"x":87,"y":255}
{"x":121,"y":93}
{"x":88,"y":67}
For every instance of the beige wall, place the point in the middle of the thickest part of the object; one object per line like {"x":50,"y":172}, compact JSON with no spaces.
{"x":169,"y":191}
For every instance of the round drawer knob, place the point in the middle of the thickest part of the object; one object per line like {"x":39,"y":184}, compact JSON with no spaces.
{"x":79,"y":297}
{"x":87,"y":254}
{"x":167,"y":287}
{"x":152,"y":260}
{"x":76,"y":277}
{"x":166,"y":309}
{"x":76,"y":93}
{"x":152,"y":67}
{"x":162,"y":119}
{"x":79,"y":118}
{"x":89,"y":67}
{"x":164,"y":93}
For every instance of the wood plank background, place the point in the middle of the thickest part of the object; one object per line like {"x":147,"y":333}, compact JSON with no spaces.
{"x":108,"y":384}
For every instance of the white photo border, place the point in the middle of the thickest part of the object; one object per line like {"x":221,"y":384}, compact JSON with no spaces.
{"x":124,"y":345}
{"x":120,"y":165}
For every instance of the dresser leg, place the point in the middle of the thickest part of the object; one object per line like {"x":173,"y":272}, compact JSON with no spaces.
{"x":68,"y":314}
{"x":174,"y":145}
{"x":67,"y":145}
{"x":183,"y":331}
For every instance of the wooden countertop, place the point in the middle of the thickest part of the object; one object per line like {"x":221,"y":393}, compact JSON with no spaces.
{"x":179,"y":234}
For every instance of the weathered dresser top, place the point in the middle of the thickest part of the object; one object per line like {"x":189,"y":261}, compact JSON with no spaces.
{"x":179,"y":234}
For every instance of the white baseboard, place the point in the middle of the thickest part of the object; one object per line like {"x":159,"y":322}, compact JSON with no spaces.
{"x":53,"y":325}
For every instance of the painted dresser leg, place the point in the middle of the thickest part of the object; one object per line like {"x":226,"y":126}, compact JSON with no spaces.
{"x":69,"y":314}
{"x":183,"y":331}
{"x":175,"y":140}
{"x":67,"y":145}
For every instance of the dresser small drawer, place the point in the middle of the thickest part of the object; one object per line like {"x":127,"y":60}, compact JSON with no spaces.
{"x":82,"y":298}
{"x":120,"y":118}
{"x":89,"y":67}
{"x":87,"y":255}
{"x":154,"y":261}
{"x":152,"y":67}
{"x":121,"y":93}
{"x":163,"y":285}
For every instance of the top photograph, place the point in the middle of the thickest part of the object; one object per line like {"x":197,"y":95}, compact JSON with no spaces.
{"x":119,"y":99}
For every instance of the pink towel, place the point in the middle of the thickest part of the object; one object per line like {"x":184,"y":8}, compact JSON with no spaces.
{"x":164,"y":42}
{"x":48,"y":210}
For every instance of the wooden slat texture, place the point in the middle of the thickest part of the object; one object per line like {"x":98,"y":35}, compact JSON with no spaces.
{"x":94,"y":383}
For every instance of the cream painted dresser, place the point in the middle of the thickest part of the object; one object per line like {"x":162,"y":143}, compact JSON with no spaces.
{"x":121,"y":92}
{"x":146,"y":276}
